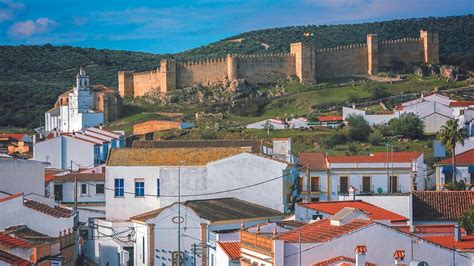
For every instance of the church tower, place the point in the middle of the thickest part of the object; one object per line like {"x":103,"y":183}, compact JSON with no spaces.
{"x":82,"y":99}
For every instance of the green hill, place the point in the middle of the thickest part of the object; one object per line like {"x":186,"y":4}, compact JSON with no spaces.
{"x":32,"y":76}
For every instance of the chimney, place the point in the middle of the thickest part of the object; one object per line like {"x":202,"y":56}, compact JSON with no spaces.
{"x":399,"y":257}
{"x":351,"y":193}
{"x":360,"y":251}
{"x":457,"y":233}
{"x":34,"y":139}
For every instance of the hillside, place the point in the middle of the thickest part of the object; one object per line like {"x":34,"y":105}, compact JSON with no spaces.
{"x":32,"y":76}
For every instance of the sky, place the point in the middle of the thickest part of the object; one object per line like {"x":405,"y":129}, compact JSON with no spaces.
{"x":162,"y":26}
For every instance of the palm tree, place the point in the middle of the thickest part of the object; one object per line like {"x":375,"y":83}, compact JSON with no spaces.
{"x":450,"y":134}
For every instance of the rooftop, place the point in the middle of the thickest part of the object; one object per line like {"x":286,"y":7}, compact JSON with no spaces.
{"x":146,"y":215}
{"x":13,"y":136}
{"x":341,"y":260}
{"x":55,"y":211}
{"x":11,"y":259}
{"x":372,"y":211}
{"x":381,"y":157}
{"x":29,"y":235}
{"x":461,"y":104}
{"x":441,"y":205}
{"x":13,"y":242}
{"x":315,"y":160}
{"x":221,"y":143}
{"x":231,"y":249}
{"x":169,"y":157}
{"x":79,"y":176}
{"x":330,"y":118}
{"x":322,"y":231}
{"x":448,"y":241}
{"x":464,"y":158}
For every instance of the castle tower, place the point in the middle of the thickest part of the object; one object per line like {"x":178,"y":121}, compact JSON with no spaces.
{"x":231,"y":67}
{"x":305,"y":61}
{"x":168,"y":75}
{"x":430,"y":45}
{"x":372,"y":54}
{"x":125,"y":84}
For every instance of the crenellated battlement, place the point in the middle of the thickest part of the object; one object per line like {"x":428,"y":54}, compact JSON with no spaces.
{"x":304,"y":61}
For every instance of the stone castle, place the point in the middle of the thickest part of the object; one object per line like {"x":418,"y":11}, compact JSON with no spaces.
{"x":303,"y":61}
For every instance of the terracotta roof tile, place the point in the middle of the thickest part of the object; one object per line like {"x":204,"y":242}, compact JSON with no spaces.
{"x":80,"y":177}
{"x":362,"y":249}
{"x":430,"y":229}
{"x":12,"y":259}
{"x":11,"y":197}
{"x":381,"y":157}
{"x":170,"y":157}
{"x":232,"y":249}
{"x":146,"y":215}
{"x":13,"y":242}
{"x":315,"y":160}
{"x":220,"y":143}
{"x":464,"y":158}
{"x":461,"y":104}
{"x":13,"y":136}
{"x":56,"y":211}
{"x":399,"y":254}
{"x":340,"y":259}
{"x":372,"y":211}
{"x":466,"y":243}
{"x":441,"y":205}
{"x":330,"y":118}
{"x":321,"y":231}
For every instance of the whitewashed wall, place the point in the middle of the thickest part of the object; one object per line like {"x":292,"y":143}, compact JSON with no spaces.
{"x":21,"y":176}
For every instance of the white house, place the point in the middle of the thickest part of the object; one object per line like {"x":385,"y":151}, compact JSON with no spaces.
{"x":80,"y":111}
{"x":372,"y":119}
{"x":202,"y":221}
{"x":464,"y":170}
{"x":144,"y":179}
{"x":83,"y":149}
{"x":349,"y":237}
{"x":44,"y":216}
{"x":330,"y":176}
{"x":21,"y":176}
{"x":90,"y":193}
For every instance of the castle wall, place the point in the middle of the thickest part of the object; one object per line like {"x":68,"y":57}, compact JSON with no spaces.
{"x":203,"y":72}
{"x":407,"y":50}
{"x":342,"y":61}
{"x":257,"y":69}
{"x":145,"y":81}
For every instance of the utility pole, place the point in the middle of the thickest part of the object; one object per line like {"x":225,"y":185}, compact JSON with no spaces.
{"x":299,"y":241}
{"x":179,"y":214}
{"x":75,"y":190}
{"x":308,"y":197}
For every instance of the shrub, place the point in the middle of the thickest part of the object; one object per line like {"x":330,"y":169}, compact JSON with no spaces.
{"x":408,"y":125}
{"x":375,"y":137}
{"x":352,"y":148}
{"x":359,"y":129}
{"x":466,"y":220}
{"x":339,"y":137}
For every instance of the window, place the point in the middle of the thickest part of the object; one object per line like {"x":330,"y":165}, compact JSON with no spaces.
{"x":366,"y":184}
{"x":83,"y":189}
{"x":139,"y":188}
{"x":58,"y":192}
{"x":343,"y":184}
{"x":99,"y":189}
{"x":472,"y":179}
{"x":119,"y":188}
{"x":393,"y":185}
{"x":315,"y":184}
{"x":448,"y":178}
{"x":158,"y":187}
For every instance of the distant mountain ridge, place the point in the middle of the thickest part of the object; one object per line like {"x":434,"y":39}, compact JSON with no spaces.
{"x":33,"y":76}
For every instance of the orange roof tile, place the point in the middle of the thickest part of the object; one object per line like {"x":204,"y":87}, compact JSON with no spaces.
{"x":13,"y":136}
{"x":11,"y":197}
{"x":330,"y":118}
{"x":399,"y":254}
{"x":464,"y":158}
{"x":146,"y":215}
{"x":12,"y":259}
{"x":461,"y":104}
{"x":340,"y":259}
{"x":321,"y":231}
{"x":315,"y":160}
{"x":13,"y":242}
{"x":374,"y":212}
{"x":232,"y":249}
{"x":441,"y":205}
{"x":466,"y":243}
{"x":430,"y":229}
{"x":58,"y":212}
{"x":362,"y":249}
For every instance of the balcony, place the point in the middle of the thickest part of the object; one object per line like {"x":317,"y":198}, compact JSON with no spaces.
{"x":366,"y":189}
{"x":314,"y":189}
{"x":256,"y":242}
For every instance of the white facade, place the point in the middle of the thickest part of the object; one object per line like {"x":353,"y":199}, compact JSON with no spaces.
{"x":79,"y":113}
{"x":21,"y":176}
{"x":381,"y":242}
{"x":232,"y":172}
{"x":14,"y":213}
{"x":398,"y":203}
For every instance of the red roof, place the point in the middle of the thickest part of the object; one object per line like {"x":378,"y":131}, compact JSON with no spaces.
{"x":58,"y":212}
{"x":397,"y":157}
{"x":232,"y":249}
{"x":399,"y":254}
{"x":461,"y":104}
{"x":464,"y":158}
{"x":11,"y":197}
{"x":13,"y":242}
{"x":321,"y":231}
{"x":441,"y":205}
{"x":12,"y":259}
{"x":430,"y":229}
{"x":466,"y":243}
{"x":330,"y":118}
{"x":374,"y":212}
{"x":13,"y":136}
{"x":332,"y":261}
{"x":315,"y":160}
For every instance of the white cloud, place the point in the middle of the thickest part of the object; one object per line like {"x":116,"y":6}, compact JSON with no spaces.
{"x":25,"y":29}
{"x":8,"y":8}
{"x":13,"y":5}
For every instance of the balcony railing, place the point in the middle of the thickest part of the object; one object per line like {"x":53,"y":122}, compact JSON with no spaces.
{"x":364,"y":189}
{"x":343,"y":190}
{"x":312,"y":189}
{"x":255,"y":241}
{"x":398,"y":189}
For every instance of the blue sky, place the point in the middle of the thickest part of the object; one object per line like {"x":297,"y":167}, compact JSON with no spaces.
{"x":162,"y":26}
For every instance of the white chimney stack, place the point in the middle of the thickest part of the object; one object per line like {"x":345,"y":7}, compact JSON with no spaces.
{"x":399,"y":256}
{"x":360,"y":255}
{"x":457,"y":233}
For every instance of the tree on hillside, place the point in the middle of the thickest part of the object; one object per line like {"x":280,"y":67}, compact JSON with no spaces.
{"x":466,"y":220}
{"x":449,"y":135}
{"x":359,"y":129}
{"x":407,"y":125}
